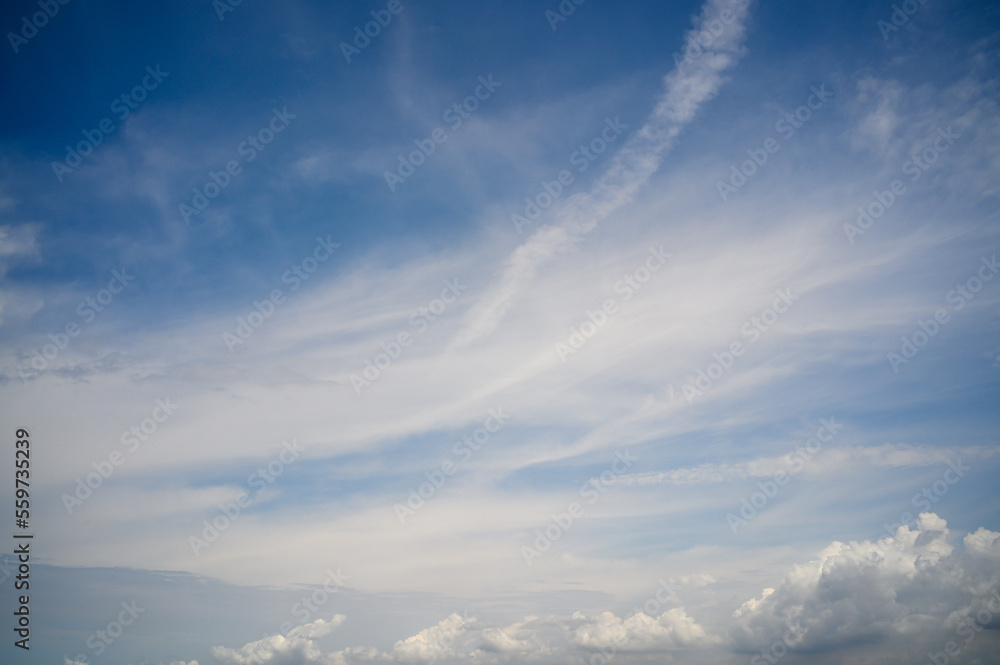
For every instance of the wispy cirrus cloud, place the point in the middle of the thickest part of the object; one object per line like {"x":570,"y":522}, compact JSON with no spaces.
{"x":691,"y":84}
{"x":831,"y":461}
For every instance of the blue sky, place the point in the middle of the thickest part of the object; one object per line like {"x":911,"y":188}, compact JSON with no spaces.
{"x":666,"y":332}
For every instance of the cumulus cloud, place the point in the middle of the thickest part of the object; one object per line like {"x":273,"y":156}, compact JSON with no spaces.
{"x":297,"y":647}
{"x":911,"y":584}
{"x":496,"y":640}
{"x":671,"y":630}
{"x":466,"y":639}
{"x":983,"y":543}
{"x":912,"y":590}
{"x":441,"y":640}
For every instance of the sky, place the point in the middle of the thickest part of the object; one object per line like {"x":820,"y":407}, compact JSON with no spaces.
{"x":557,"y":332}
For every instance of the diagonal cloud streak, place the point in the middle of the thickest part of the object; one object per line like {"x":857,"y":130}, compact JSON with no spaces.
{"x":711,"y":47}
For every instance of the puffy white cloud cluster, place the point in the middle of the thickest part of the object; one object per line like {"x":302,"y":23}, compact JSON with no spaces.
{"x":444,"y":640}
{"x":909,"y":593}
{"x":298,"y":646}
{"x":671,"y":630}
{"x":467,"y":640}
{"x":914,"y":585}
{"x":552,"y":638}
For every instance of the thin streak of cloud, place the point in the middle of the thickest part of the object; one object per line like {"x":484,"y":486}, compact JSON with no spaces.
{"x":836,"y":460}
{"x":694,"y":82}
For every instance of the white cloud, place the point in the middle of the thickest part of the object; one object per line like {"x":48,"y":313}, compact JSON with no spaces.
{"x":467,"y":640}
{"x":297,"y":647}
{"x":832,"y":460}
{"x":878,"y":102}
{"x":907,"y":585}
{"x":430,"y":644}
{"x":671,"y":630}
{"x":693,"y":83}
{"x":17,"y":244}
{"x":903,"y":593}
